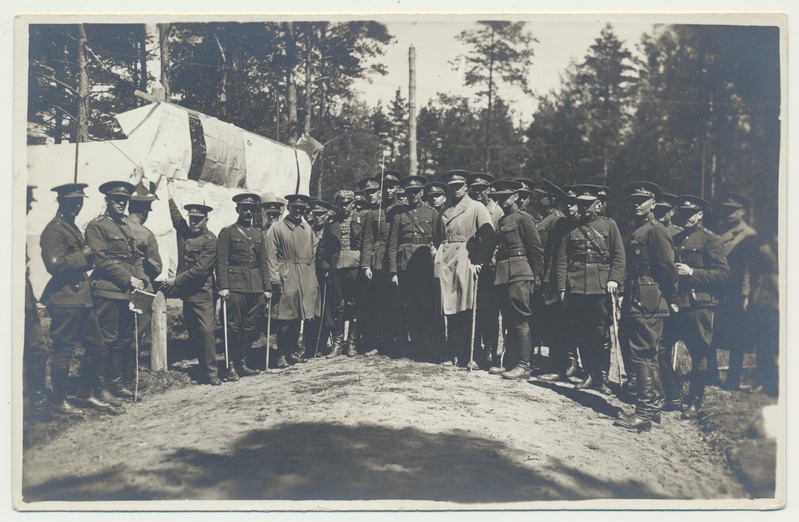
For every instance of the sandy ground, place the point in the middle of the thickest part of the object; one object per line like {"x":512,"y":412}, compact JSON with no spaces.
{"x":375,"y":428}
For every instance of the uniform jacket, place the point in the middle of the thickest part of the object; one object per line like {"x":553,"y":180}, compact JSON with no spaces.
{"x":550,"y":229}
{"x":590,"y":254}
{"x":194,"y":280}
{"x":356,"y":230}
{"x":62,"y":244}
{"x":700,"y":249}
{"x":520,"y":255}
{"x":241,"y":260}
{"x":765,"y":278}
{"x":350,"y":256}
{"x":651,"y":278}
{"x":410,"y":237}
{"x":290,"y":263}
{"x":147,"y":263}
{"x":673,"y":229}
{"x":740,"y":245}
{"x":496,"y":212}
{"x":115,"y":258}
{"x":375,"y":237}
{"x":463,"y":234}
{"x":328,"y":251}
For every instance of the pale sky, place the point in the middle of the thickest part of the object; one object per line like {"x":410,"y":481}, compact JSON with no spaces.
{"x":560,"y":40}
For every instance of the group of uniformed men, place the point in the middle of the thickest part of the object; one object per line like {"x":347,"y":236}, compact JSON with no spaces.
{"x":416,"y":268}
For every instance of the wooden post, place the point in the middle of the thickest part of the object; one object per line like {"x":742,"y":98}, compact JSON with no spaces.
{"x":414,"y":164}
{"x":158,"y":355}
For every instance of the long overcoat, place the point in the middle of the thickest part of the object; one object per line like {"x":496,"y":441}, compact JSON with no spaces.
{"x":290,"y":264}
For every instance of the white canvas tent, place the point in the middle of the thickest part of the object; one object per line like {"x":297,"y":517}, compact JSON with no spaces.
{"x":158,"y":141}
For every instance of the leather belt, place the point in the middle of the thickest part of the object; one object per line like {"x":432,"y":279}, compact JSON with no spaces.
{"x":591,"y":258}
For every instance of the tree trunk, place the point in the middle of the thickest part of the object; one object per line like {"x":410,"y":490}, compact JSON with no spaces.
{"x":143,"y":59}
{"x":291,"y":61}
{"x":222,"y":113}
{"x":59,"y":112}
{"x":163,"y":39}
{"x":83,"y":88}
{"x":308,"y":83}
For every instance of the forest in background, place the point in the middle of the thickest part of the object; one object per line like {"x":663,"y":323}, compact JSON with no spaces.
{"x":696,"y":109}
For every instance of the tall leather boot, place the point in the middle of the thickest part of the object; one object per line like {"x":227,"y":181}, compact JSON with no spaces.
{"x":116,"y":384}
{"x":233,"y":356}
{"x":59,"y":376}
{"x":338,"y":345}
{"x":603,"y":368}
{"x":101,"y":384}
{"x":589,"y":364}
{"x":352,"y":350}
{"x":245,"y":347}
{"x":36,"y":370}
{"x":88,"y":379}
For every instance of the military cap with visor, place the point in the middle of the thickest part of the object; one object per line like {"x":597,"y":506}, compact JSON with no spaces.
{"x":116,"y":189}
{"x":527,"y":185}
{"x":666,"y":202}
{"x":503,"y":188}
{"x":413,"y":182}
{"x":480,"y":179}
{"x":689,"y":202}
{"x":389,"y":177}
{"x":733,"y":200}
{"x":298,"y":200}
{"x":587,"y":192}
{"x":642,"y":190}
{"x":369,"y":185}
{"x":247,"y":198}
{"x":197,"y":209}
{"x":436,"y":188}
{"x":455,"y":177}
{"x":70,"y":190}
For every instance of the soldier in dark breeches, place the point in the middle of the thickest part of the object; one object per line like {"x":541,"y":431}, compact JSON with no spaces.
{"x":519,"y":257}
{"x":380,"y":301}
{"x":702,"y":267}
{"x":69,"y":301}
{"x":113,"y":280}
{"x":649,"y":286}
{"x":242,"y":277}
{"x":410,"y":264}
{"x":194,"y":282}
{"x":589,"y":265}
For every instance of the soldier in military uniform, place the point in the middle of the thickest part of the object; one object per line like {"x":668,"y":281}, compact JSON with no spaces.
{"x":243,"y":283}
{"x":379,"y":328}
{"x":702,"y":267}
{"x":271,"y":210}
{"x":147,"y":264}
{"x":664,"y":212}
{"x":315,"y":334}
{"x":194,"y":281}
{"x":588,"y":268}
{"x":68,"y":298}
{"x":524,"y":199}
{"x":549,"y":318}
{"x":327,"y":258}
{"x":360,"y":207}
{"x":732,"y":326}
{"x":436,"y":195}
{"x":410,"y":263}
{"x":486,"y":335}
{"x":464,"y":238}
{"x":35,"y":351}
{"x":520,"y":258}
{"x":649,"y":287}
{"x":113,"y":280}
{"x":291,"y":274}
{"x":764,"y":309}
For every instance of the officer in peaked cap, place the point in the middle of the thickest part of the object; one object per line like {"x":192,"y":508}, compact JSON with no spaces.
{"x":292,"y":276}
{"x":69,"y":302}
{"x":487,"y":329}
{"x":649,"y":288}
{"x":271,"y":209}
{"x":520,"y":258}
{"x":436,"y":194}
{"x":113,"y":280}
{"x":380,"y":302}
{"x":588,"y":269}
{"x":410,"y":265}
{"x":321,"y":212}
{"x":740,"y":243}
{"x":702,"y":267}
{"x":664,"y":212}
{"x":241,"y":273}
{"x":465,"y":242}
{"x":524,"y":196}
{"x":194,"y":282}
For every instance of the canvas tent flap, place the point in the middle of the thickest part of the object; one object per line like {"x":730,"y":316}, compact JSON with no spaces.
{"x":272,"y":166}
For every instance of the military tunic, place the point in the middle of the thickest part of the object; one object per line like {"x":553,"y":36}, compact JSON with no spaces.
{"x":693,"y":323}
{"x":194,"y":284}
{"x":410,"y":258}
{"x":520,"y":257}
{"x":649,"y":287}
{"x":68,"y":298}
{"x":241,"y":268}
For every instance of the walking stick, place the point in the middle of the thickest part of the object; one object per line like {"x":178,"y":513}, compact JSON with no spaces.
{"x":268,"y":328}
{"x":224,"y":323}
{"x":619,"y":363}
{"x":136,"y":361}
{"x":321,"y":318}
{"x":474,"y":322}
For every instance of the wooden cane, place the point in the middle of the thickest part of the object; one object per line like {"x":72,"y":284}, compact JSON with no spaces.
{"x":224,"y":324}
{"x":474,"y":323}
